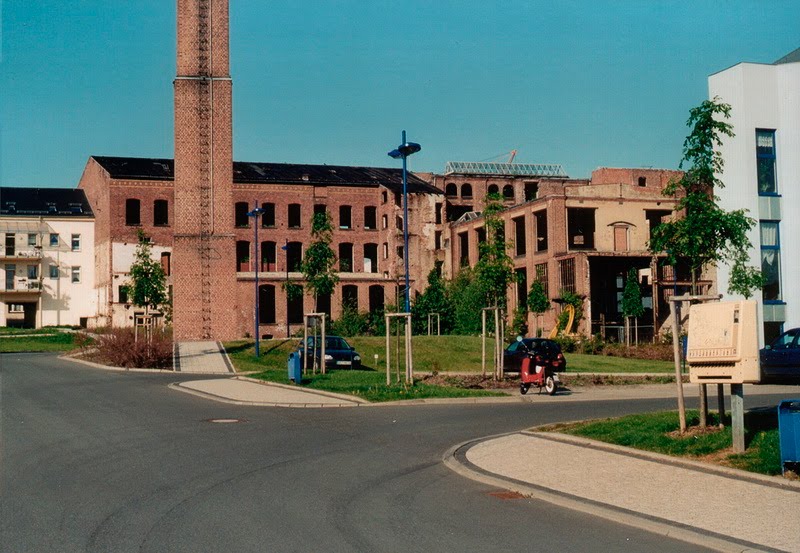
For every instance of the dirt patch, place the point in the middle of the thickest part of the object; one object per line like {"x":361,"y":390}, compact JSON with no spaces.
{"x":470,"y":382}
{"x":695,"y":431}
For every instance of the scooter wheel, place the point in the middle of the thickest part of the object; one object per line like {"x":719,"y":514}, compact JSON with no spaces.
{"x":523,"y":388}
{"x":550,"y":385}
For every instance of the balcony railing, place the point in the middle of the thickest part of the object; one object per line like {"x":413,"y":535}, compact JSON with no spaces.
{"x":33,"y":253}
{"x":22,"y":286}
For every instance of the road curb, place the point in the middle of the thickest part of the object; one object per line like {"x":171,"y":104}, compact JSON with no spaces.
{"x":221,"y":399}
{"x":455,"y":459}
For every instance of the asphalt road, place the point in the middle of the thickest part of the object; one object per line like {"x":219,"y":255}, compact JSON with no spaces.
{"x":103,"y":461}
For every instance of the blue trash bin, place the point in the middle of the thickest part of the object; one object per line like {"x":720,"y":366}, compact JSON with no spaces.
{"x":789,"y":433}
{"x":295,"y":368}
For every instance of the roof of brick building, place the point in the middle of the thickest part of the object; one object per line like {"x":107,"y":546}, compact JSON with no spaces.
{"x":138,"y":168}
{"x":48,"y":202}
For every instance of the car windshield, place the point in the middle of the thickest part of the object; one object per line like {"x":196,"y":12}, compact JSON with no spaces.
{"x":331,"y":342}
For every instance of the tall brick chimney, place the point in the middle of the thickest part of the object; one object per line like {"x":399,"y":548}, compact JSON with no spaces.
{"x":204,"y":272}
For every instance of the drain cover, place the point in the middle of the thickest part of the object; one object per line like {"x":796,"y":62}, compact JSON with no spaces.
{"x":225,"y":421}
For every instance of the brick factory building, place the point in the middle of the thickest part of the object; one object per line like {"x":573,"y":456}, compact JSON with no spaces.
{"x":129,"y":194}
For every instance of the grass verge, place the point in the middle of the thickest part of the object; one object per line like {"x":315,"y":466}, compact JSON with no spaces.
{"x":367,"y":383}
{"x":658,"y":432}
{"x":61,"y":341}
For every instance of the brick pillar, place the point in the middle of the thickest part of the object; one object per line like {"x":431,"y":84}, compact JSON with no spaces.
{"x":204,"y":273}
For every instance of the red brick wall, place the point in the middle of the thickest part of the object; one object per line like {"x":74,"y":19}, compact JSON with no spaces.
{"x":204,"y":299}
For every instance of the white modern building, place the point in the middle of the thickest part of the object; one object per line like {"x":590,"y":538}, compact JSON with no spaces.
{"x":47,"y":258}
{"x":762,"y":174}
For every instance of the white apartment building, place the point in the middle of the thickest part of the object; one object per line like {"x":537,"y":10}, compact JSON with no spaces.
{"x":47,"y":258}
{"x":762,"y":175}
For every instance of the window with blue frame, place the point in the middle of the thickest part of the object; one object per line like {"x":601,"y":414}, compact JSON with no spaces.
{"x":770,"y":261}
{"x":765,"y":162}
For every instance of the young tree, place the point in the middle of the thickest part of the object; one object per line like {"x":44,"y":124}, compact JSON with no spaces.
{"x":538,"y":302}
{"x":631,"y":302}
{"x":706,"y":234}
{"x":494,"y":269}
{"x":433,"y":300}
{"x":147,"y":286}
{"x":318,"y":266}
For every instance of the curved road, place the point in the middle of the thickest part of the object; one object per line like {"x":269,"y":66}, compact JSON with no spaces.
{"x":102,"y":461}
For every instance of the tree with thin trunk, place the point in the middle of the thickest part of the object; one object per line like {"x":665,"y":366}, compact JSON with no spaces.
{"x":538,"y":302}
{"x":631,"y":302}
{"x":319,"y":262}
{"x":706,"y":234}
{"x":147,"y":287}
{"x":494,"y":270}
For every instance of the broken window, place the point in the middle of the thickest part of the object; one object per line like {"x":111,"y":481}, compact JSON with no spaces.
{"x":350,"y":296}
{"x":132,"y":212}
{"x":268,"y":216}
{"x":519,"y":236}
{"x":566,"y":273}
{"x":269,"y":256}
{"x":160,"y":213}
{"x":242,"y":255}
{"x":294,"y":216}
{"x":241,"y":220}
{"x":370,"y":258}
{"x":541,"y":230}
{"x":345,"y":217}
{"x":466,"y":190}
{"x":531,"y":191}
{"x":294,"y":256}
{"x":451,"y":190}
{"x":346,"y":257}
{"x":370,"y":217}
{"x":580,"y":228}
{"x":266,"y":304}
{"x":463,"y":243}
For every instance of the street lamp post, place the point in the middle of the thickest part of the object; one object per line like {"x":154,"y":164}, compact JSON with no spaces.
{"x":254,"y":214}
{"x":404,"y":150}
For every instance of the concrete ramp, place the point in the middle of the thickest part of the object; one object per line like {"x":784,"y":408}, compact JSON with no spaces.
{"x":201,"y":358}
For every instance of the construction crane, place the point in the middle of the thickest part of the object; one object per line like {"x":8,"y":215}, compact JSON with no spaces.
{"x":512,"y":155}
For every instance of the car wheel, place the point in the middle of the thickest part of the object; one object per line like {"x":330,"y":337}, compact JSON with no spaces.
{"x":550,"y":385}
{"x":523,"y":388}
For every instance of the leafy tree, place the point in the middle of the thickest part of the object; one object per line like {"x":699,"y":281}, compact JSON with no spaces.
{"x":494,"y":270}
{"x":707,"y":234}
{"x":631,"y":301}
{"x":318,"y":266}
{"x":147,"y":286}
{"x":519,"y":324}
{"x":433,"y":300}
{"x":466,"y":296}
{"x":538,"y":302}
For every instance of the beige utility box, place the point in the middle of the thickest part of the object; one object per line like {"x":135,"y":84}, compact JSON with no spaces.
{"x":723,"y":343}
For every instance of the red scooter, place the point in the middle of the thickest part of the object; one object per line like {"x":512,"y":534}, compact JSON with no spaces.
{"x":539,"y":371}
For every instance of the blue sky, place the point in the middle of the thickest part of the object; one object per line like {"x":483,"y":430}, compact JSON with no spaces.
{"x":581,"y":83}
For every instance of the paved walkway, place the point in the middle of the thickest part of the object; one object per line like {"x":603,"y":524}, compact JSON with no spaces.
{"x":725,"y":509}
{"x":201,"y":357}
{"x":247,"y":391}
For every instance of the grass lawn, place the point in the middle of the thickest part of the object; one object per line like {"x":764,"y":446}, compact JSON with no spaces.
{"x":442,"y":354}
{"x":578,"y":362}
{"x":658,"y":432}
{"x":61,"y":341}
{"x":6,"y":331}
{"x":368,"y":384}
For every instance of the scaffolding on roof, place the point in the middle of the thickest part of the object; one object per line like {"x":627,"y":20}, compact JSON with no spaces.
{"x":493,"y":168}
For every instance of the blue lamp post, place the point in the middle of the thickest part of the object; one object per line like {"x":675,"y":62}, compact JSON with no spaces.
{"x":254,"y":214}
{"x":285,"y":248}
{"x":403,"y":151}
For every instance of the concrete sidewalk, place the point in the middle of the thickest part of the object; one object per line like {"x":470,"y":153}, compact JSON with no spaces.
{"x":247,"y":391}
{"x":724,"y":509}
{"x":202,"y":357}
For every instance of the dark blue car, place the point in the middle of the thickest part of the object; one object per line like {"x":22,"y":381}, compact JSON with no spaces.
{"x":338,"y":353}
{"x":781,"y":359}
